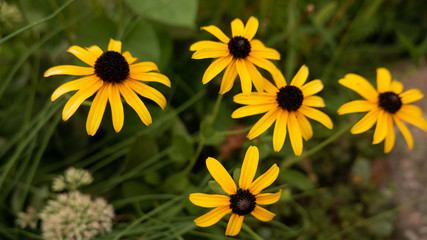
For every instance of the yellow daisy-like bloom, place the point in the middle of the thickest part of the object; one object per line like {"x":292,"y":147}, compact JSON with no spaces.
{"x":386,"y":104}
{"x":237,"y":56}
{"x":112,"y":74}
{"x":288,"y":106}
{"x":242,"y":201}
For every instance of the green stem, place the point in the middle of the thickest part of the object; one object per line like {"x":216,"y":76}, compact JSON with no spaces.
{"x":216,"y":109}
{"x":233,"y":132}
{"x":3,"y":40}
{"x":367,"y":221}
{"x":251,"y":232}
{"x":289,"y":162}
{"x":202,"y":138}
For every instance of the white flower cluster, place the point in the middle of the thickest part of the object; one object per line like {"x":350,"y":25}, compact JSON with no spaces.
{"x":72,"y":179}
{"x":74,"y":216}
{"x":28,"y":218}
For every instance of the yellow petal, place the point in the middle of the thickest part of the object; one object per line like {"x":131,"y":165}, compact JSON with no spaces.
{"x":116,"y":105}
{"x":114,"y":45}
{"x":411,"y":96}
{"x":97,"y":110}
{"x":267,"y":65}
{"x":383,"y":80}
{"x":237,"y":27}
{"x":305,"y":126}
{"x":381,"y":128}
{"x":263,"y":124}
{"x":301,"y":76}
{"x":256,"y":76}
{"x":295,"y":134}
{"x":269,"y":87}
{"x":210,"y":53}
{"x":316,"y":115}
{"x":221,"y":175}
{"x":410,"y":110}
{"x":217,"y":33}
{"x":143,"y":67}
{"x":83,"y":55}
{"x":69,"y":70}
{"x":313,"y":101}
{"x":207,"y":44}
{"x":412,"y":114}
{"x":151,"y":77}
{"x":258,"y":49}
{"x":390,"y":137}
{"x":135,"y":102}
{"x":249,"y":167}
{"x":73,"y":85}
{"x":264,"y":180}
{"x":279,"y":134}
{"x":215,"y":68}
{"x":405,"y":132}
{"x":147,"y":92}
{"x":255,"y":98}
{"x":245,"y":77}
{"x":357,"y":106}
{"x":267,"y":198}
{"x":212,"y":216}
{"x":230,"y":75}
{"x":262,"y":214}
{"x":234,"y":225}
{"x":80,"y":96}
{"x":95,"y":50}
{"x":312,"y":88}
{"x":252,"y":110}
{"x":396,"y":86}
{"x":129,"y":58}
{"x":361,"y":86}
{"x":209,"y":200}
{"x":366,"y":122}
{"x":251,"y":28}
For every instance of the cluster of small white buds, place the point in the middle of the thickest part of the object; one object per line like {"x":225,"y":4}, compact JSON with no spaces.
{"x":72,"y":179}
{"x":28,"y":218}
{"x":74,"y":216}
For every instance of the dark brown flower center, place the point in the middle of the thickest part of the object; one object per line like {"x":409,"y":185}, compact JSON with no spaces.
{"x":239,"y":47}
{"x":290,"y":98}
{"x":112,"y":67}
{"x":390,"y":102}
{"x":242,"y":203}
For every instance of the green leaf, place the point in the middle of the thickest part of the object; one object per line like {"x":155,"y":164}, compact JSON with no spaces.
{"x":181,"y":13}
{"x":325,"y":13}
{"x":296,"y":179}
{"x":96,"y":31}
{"x":142,"y":42}
{"x":206,"y":128}
{"x":215,"y":187}
{"x":142,"y":149}
{"x":183,"y":149}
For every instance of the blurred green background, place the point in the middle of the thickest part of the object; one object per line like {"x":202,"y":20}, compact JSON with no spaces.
{"x":328,"y":195}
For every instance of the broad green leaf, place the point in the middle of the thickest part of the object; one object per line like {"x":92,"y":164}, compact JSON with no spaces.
{"x":296,"y":179}
{"x":142,"y":42}
{"x":181,"y":13}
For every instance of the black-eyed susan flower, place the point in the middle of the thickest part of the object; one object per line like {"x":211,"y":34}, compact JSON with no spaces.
{"x":385,"y":105}
{"x":112,"y":75}
{"x":288,"y":106}
{"x":237,"y":56}
{"x":240,"y":202}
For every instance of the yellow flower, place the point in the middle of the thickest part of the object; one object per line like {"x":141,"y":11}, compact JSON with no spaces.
{"x":112,"y":74}
{"x":242,"y":201}
{"x":237,"y":56}
{"x":288,"y":106}
{"x":386,"y":104}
